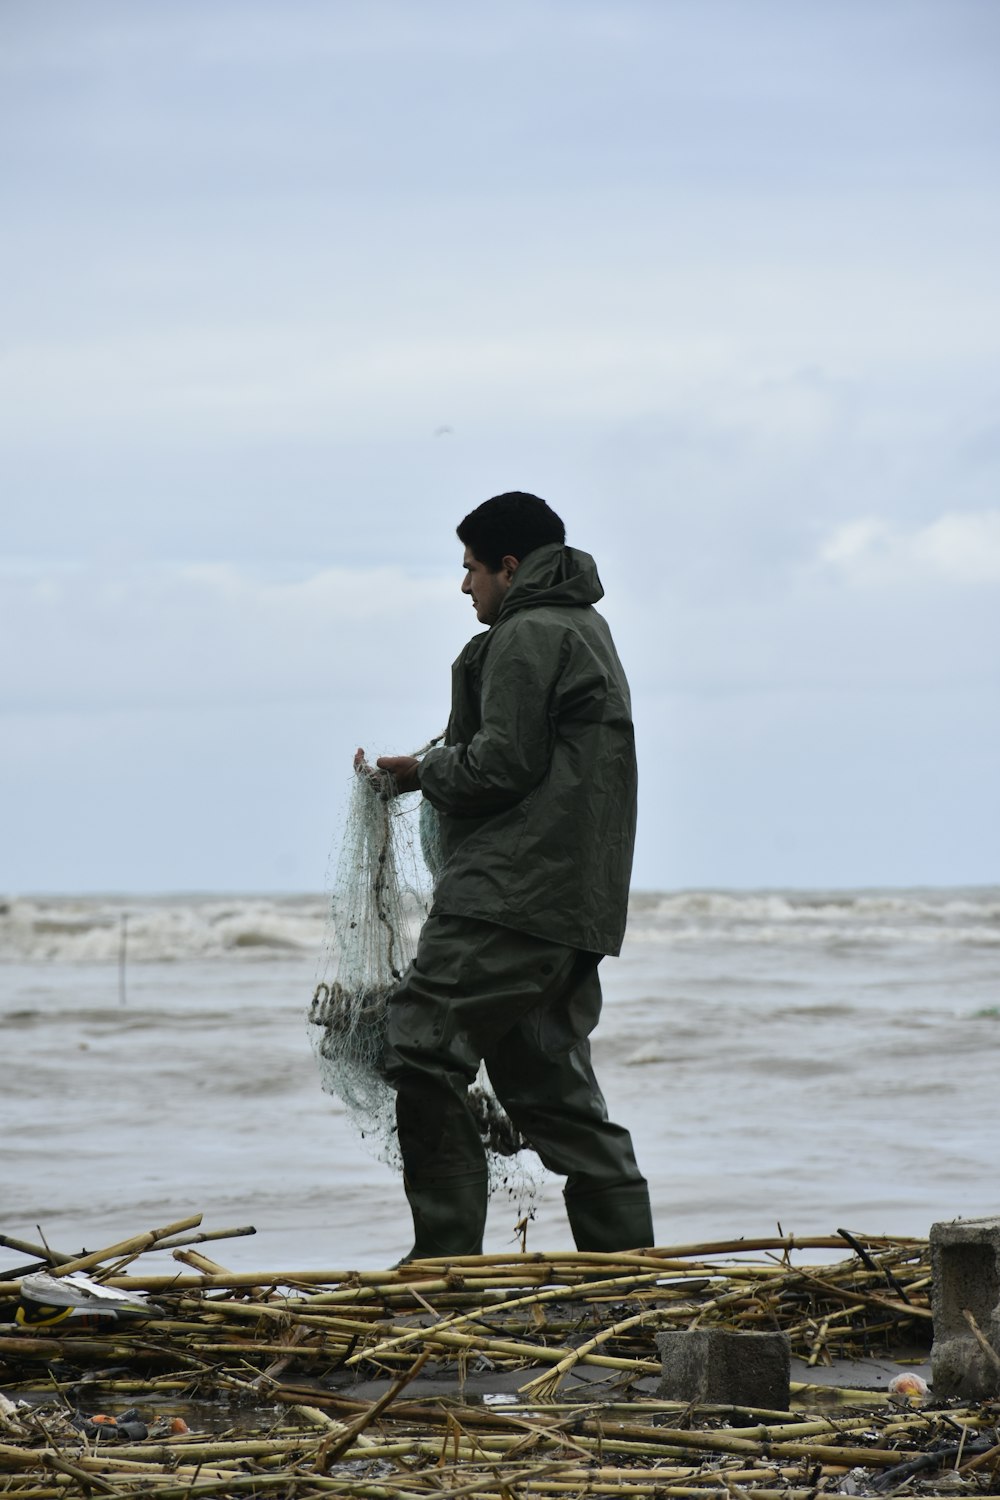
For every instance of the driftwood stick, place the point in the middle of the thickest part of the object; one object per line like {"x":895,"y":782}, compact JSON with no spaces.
{"x":518,"y":1350}
{"x":199,"y":1262}
{"x":481,"y":1271}
{"x":89,"y":1481}
{"x":981,"y":1460}
{"x":872,"y":1265}
{"x":333,"y":1447}
{"x":135,"y":1245}
{"x":619,"y":1285}
{"x":205,"y":1235}
{"x":851,"y":1294}
{"x":37,"y":1252}
{"x":549,"y":1381}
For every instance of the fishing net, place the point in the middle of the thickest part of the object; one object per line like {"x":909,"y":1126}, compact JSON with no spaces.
{"x":389,"y":855}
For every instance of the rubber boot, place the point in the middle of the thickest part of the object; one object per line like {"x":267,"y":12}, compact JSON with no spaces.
{"x":611,"y":1218}
{"x":449,"y":1214}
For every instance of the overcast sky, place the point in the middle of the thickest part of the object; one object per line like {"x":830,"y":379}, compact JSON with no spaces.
{"x":292,"y":287}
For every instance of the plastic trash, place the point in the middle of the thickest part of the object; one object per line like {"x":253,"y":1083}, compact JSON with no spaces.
{"x":49,"y":1300}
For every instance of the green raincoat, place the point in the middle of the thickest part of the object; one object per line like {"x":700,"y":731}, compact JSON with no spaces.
{"x":535,"y":784}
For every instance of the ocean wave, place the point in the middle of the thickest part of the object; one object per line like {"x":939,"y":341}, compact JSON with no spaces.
{"x":938,"y":906}
{"x":833,"y":919}
{"x":161,"y":930}
{"x":260,"y":929}
{"x":805,"y":935}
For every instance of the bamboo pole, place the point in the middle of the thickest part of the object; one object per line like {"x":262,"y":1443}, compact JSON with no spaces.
{"x":550,"y":1380}
{"x":205,"y":1235}
{"x":532,"y":1299}
{"x":672,"y":1259}
{"x":37,"y":1252}
{"x":135,"y":1245}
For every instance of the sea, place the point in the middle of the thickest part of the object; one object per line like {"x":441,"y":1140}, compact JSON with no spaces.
{"x":787,"y":1061}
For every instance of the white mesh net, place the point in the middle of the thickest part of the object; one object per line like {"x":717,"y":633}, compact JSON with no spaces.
{"x":381,"y":895}
{"x":375,"y":911}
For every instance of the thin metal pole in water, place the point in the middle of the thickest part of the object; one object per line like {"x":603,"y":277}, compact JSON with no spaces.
{"x":122,"y":945}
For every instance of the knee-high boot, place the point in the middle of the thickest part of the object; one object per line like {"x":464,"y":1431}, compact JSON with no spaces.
{"x":611,"y":1218}
{"x":449,"y":1214}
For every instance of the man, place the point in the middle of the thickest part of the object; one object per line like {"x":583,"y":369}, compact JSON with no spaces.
{"x":535,"y":790}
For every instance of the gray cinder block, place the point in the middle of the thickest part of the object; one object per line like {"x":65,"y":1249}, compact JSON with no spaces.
{"x":717,"y":1367}
{"x":965,"y":1272}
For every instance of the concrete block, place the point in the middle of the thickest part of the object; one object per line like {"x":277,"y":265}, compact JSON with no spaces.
{"x":965,"y":1271}
{"x":716,"y":1367}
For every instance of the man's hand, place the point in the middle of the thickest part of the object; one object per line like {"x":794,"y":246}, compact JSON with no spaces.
{"x":403,"y":770}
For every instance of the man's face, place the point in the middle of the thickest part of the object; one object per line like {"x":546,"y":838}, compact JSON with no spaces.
{"x":486,"y":589}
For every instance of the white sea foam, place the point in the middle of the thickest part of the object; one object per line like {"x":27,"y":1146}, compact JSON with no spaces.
{"x":77,"y":929}
{"x":160,"y":930}
{"x":981,"y":904}
{"x":804,"y":918}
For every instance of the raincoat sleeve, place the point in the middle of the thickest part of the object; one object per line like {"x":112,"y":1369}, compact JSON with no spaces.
{"x":511,"y":752}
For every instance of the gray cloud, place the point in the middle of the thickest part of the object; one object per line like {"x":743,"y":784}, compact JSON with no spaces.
{"x":717,"y":280}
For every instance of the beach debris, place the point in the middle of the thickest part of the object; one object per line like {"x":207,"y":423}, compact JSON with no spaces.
{"x":388,"y":1383}
{"x":168,"y":1426}
{"x":12,"y":1414}
{"x":909,"y":1389}
{"x":45,"y":1302}
{"x":127,"y":1428}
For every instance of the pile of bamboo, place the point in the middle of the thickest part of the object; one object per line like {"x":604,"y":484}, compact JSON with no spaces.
{"x":549,"y":1367}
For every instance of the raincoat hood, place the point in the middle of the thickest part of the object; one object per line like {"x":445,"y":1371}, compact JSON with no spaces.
{"x":552,"y":575}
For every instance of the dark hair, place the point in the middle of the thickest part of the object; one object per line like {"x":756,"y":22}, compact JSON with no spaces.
{"x":510,"y":525}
